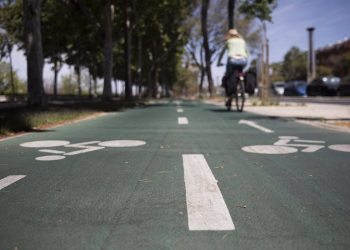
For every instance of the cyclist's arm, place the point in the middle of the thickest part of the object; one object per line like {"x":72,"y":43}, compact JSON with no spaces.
{"x":221,"y":55}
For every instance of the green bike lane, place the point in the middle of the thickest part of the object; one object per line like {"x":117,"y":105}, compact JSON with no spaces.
{"x":135,"y":198}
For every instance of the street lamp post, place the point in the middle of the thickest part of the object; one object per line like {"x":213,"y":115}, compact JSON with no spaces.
{"x":311,"y":64}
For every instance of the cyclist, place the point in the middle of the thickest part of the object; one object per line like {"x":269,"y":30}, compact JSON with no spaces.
{"x":237,"y":56}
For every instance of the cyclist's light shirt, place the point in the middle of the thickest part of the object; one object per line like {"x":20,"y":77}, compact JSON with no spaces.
{"x":236,"y":48}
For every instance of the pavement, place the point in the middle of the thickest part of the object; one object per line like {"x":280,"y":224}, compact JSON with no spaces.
{"x":176,"y":175}
{"x":328,"y":116}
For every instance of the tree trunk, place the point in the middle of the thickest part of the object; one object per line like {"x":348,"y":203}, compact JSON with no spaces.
{"x":231,"y":14}
{"x":150,"y":82}
{"x":90,"y":85}
{"x":155,"y":85}
{"x":95,"y":85}
{"x":108,"y":52}
{"x":77,"y":71}
{"x":33,"y":44}
{"x":139,"y":63}
{"x":127,"y":38}
{"x":265,"y":68}
{"x":13,"y":91}
{"x":205,"y":6}
{"x":56,"y":70}
{"x":201,"y":82}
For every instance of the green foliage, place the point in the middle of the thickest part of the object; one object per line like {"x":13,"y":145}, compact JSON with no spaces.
{"x":277,"y":74}
{"x":342,"y":68}
{"x":294,"y":65}
{"x":28,"y":120}
{"x":11,"y":19}
{"x":323,"y":70}
{"x":186,"y":82}
{"x":261,"y":9}
{"x":5,"y":81}
{"x":74,"y":35}
{"x":69,"y":85}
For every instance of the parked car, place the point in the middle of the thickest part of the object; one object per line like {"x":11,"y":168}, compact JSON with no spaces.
{"x":295,"y":88}
{"x":344,"y":88}
{"x":278,"y":88}
{"x":325,"y":86}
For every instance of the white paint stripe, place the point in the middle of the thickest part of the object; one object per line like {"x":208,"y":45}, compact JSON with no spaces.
{"x":51,"y":151}
{"x":206,"y":208}
{"x":178,"y":103}
{"x":254,"y":125}
{"x":309,"y":141}
{"x":182,"y":120}
{"x":7,"y":181}
{"x":180,"y":110}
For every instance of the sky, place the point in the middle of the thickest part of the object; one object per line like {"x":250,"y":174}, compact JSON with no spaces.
{"x":331,"y":19}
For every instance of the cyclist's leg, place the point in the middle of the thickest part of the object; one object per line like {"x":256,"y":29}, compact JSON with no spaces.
{"x":227,"y":78}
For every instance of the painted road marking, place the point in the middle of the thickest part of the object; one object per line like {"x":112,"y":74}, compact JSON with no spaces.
{"x":50,"y":158}
{"x":180,"y":110}
{"x":178,"y":103}
{"x":51,"y":151}
{"x":84,"y":147}
{"x":182,"y":120}
{"x":309,"y":141}
{"x":308,"y":148}
{"x":122,"y":143}
{"x":44,"y":144}
{"x":206,"y":208}
{"x":269,"y":149}
{"x":7,"y":181}
{"x":255,"y":125}
{"x":341,"y":147}
{"x":287,"y":145}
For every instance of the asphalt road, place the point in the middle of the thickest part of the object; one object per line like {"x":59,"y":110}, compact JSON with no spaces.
{"x":145,"y":179}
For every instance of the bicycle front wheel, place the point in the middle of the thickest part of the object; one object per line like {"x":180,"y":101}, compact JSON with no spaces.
{"x":240,"y":96}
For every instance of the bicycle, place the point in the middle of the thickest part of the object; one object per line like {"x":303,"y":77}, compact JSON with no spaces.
{"x":238,"y":90}
{"x":291,"y":144}
{"x":81,"y":148}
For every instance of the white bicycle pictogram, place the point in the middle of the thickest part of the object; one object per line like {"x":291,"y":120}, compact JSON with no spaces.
{"x":84,"y":147}
{"x":291,"y":144}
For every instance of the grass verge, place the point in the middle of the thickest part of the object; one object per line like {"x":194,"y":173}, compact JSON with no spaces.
{"x":24,"y":119}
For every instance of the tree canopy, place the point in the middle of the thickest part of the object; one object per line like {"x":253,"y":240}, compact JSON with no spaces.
{"x":122,"y":39}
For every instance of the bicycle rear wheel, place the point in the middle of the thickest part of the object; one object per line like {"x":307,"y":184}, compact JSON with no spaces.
{"x":240,"y":96}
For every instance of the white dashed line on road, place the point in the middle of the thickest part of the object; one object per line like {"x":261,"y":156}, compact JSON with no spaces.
{"x":7,"y":181}
{"x":178,"y":103}
{"x":180,"y":110}
{"x":182,"y":120}
{"x":206,"y":208}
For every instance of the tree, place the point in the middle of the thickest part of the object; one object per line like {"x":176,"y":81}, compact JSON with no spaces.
{"x":262,"y":10}
{"x":231,"y":12}
{"x":207,"y":51}
{"x":217,"y":28}
{"x":294,"y":65}
{"x":9,"y":81}
{"x":33,"y":45}
{"x":5,"y":51}
{"x":89,"y":34}
{"x":127,"y":52}
{"x":69,"y":85}
{"x":276,"y":69}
